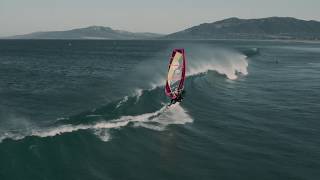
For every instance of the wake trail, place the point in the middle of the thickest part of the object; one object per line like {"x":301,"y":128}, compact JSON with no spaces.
{"x":157,"y":120}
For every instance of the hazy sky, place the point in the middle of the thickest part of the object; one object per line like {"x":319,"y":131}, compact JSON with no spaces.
{"x":161,"y":16}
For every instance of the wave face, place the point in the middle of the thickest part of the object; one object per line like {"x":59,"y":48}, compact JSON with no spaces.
{"x":201,"y":59}
{"x":96,"y":109}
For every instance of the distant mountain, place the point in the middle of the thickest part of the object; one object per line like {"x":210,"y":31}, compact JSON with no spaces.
{"x":265,"y":28}
{"x":92,"y":32}
{"x":286,"y":28}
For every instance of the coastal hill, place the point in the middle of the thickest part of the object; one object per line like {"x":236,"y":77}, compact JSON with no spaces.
{"x":286,"y":28}
{"x":265,"y":28}
{"x":92,"y":32}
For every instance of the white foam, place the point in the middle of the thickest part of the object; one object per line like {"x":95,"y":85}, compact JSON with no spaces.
{"x":125,"y":99}
{"x":162,"y":117}
{"x":175,"y":114}
{"x":155,"y":127}
{"x":103,"y":134}
{"x":138,"y":94}
{"x":11,"y":135}
{"x":225,"y":62}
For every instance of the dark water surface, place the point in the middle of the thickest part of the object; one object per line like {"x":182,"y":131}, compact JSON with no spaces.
{"x":97,"y":110}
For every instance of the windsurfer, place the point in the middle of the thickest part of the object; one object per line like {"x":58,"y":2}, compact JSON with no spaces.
{"x":177,"y":98}
{"x":176,"y":76}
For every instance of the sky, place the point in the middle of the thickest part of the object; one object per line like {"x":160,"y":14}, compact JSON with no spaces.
{"x":158,"y":16}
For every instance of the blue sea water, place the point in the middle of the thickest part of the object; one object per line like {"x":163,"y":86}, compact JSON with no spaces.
{"x":95,"y":109}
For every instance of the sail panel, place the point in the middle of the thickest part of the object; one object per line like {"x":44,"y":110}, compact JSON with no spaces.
{"x":176,"y":73}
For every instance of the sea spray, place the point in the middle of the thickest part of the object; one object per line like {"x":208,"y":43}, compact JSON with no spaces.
{"x":200,"y":59}
{"x":225,"y":61}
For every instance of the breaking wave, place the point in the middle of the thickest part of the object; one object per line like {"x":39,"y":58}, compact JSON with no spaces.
{"x":226,"y":62}
{"x":200,"y":60}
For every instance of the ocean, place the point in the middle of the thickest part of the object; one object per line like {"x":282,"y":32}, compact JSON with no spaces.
{"x":96,"y":110}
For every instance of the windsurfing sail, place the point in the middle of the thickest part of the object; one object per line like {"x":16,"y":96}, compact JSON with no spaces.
{"x":176,"y":73}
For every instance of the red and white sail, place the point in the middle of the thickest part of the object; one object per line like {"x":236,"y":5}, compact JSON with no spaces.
{"x":176,"y":73}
